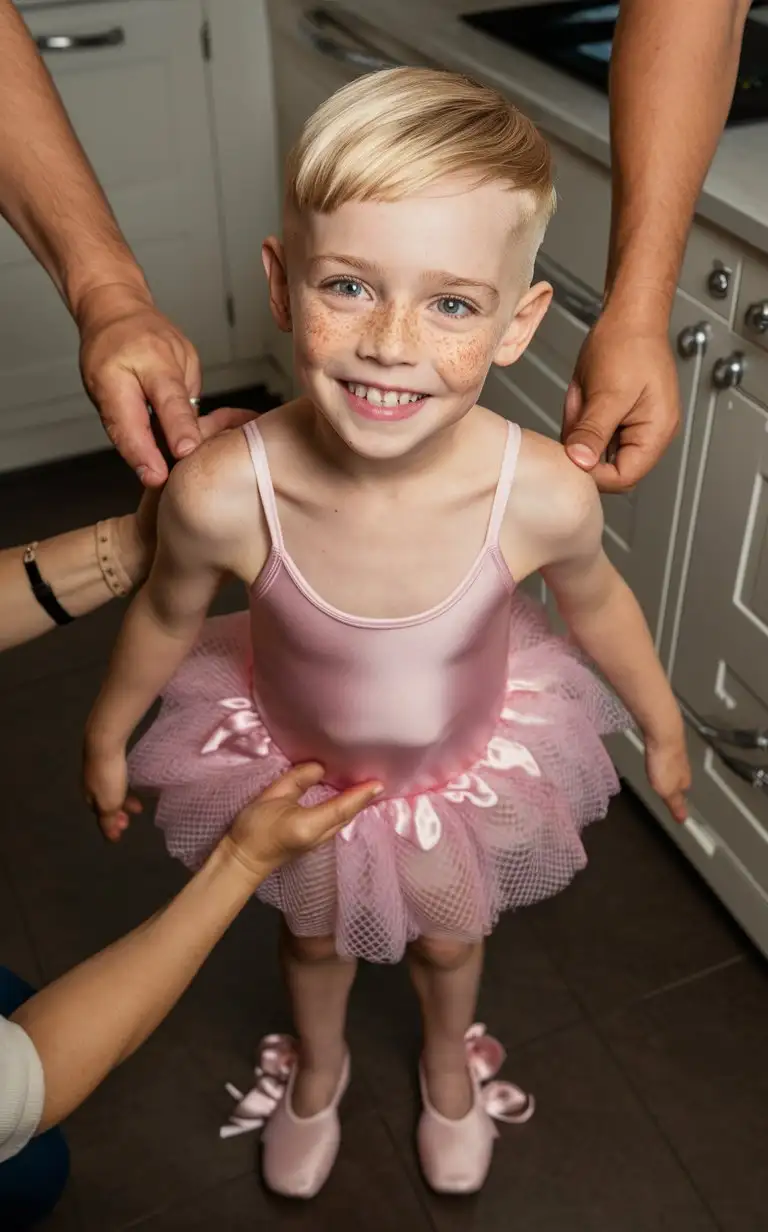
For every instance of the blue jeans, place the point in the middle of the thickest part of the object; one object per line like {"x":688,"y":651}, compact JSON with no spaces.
{"x":32,"y":1182}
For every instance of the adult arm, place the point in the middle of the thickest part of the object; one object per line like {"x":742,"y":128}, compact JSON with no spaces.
{"x":69,"y":563}
{"x":96,"y":1015}
{"x":664,"y":131}
{"x":130,"y":353}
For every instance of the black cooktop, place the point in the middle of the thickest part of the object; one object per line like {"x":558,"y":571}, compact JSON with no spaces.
{"x":576,"y":37}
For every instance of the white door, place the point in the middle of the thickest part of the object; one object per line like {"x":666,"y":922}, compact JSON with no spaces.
{"x":137,"y":97}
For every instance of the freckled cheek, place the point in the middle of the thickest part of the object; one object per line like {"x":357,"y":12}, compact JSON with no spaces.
{"x":463,"y":361}
{"x":321,"y":333}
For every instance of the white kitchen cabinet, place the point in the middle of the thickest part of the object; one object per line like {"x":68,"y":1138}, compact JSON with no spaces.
{"x":159,"y":123}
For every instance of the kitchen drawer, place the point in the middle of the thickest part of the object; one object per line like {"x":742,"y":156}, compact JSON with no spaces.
{"x":720,"y":665}
{"x":711,"y":270}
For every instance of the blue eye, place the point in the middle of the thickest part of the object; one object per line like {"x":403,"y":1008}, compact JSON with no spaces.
{"x":349,"y":287}
{"x":450,"y":306}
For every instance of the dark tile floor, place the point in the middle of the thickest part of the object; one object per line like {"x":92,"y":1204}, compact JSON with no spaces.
{"x":631,"y":1005}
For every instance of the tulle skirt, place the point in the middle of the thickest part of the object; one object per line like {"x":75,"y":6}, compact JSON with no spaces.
{"x":502,"y":834}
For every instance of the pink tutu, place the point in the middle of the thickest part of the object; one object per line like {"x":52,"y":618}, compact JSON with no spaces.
{"x":502,"y":834}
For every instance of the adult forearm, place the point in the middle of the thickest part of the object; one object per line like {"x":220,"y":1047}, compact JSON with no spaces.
{"x":604,"y":627}
{"x":95,"y":1016}
{"x":48,"y":191}
{"x":69,"y":564}
{"x":672,"y":77}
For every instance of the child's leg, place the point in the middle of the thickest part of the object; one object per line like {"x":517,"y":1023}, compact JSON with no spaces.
{"x":446,"y":976}
{"x":319,"y":983}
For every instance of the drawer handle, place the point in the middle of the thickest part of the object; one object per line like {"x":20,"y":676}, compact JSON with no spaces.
{"x":756,"y":317}
{"x":756,"y":776}
{"x":736,"y":737}
{"x":81,"y":42}
{"x":317,"y":25}
{"x":728,"y":373}
{"x":719,"y":280}
{"x":693,"y":340}
{"x":569,"y":292}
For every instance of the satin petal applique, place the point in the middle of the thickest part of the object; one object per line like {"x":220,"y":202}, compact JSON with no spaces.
{"x":503,"y":754}
{"x":403,"y":817}
{"x":473,"y":788}
{"x":505,"y":1102}
{"x":510,"y":715}
{"x":427,"y":823}
{"x":241,"y":732}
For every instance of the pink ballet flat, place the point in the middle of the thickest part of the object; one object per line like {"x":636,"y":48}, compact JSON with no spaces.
{"x":455,"y":1155}
{"x":299,"y":1152}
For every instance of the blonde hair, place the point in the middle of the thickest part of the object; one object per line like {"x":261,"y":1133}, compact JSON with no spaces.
{"x":392,"y":134}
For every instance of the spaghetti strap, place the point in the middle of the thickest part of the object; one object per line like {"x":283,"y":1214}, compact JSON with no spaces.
{"x":506,"y":479}
{"x":264,"y":482}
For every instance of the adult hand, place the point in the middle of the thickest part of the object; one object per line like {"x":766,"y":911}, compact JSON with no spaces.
{"x":624,"y":385}
{"x":137,"y":532}
{"x":275,"y":827}
{"x":131,"y":355}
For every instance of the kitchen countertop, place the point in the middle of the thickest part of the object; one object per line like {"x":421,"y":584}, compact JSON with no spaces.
{"x":735,"y":195}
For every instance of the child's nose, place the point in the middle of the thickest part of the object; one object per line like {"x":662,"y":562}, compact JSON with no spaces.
{"x":390,"y":337}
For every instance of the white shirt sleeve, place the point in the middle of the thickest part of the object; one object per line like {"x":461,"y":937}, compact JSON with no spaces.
{"x":22,"y":1088}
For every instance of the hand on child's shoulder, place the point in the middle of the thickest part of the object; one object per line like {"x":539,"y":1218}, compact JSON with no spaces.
{"x":559,"y":495}
{"x":554,"y":507}
{"x":211,"y":497}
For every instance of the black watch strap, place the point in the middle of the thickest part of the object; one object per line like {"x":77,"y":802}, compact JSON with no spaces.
{"x":42,"y":591}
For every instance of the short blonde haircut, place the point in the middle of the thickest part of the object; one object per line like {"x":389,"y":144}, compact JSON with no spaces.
{"x":392,"y":134}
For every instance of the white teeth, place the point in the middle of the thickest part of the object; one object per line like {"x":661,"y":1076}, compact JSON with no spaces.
{"x":381,"y":397}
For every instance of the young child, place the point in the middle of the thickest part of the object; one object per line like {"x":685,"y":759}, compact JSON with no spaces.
{"x":381,"y":523}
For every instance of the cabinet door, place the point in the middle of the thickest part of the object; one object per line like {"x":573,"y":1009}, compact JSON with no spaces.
{"x":138,"y":100}
{"x":720,"y":665}
{"x":639,"y":526}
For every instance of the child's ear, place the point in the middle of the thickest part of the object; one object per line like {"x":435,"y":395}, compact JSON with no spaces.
{"x":525,"y":322}
{"x":273,"y":257}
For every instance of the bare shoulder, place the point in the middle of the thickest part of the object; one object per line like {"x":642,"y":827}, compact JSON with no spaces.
{"x":549,"y":491}
{"x":213,"y":486}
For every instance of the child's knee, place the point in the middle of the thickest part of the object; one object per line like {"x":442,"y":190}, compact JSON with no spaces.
{"x":442,"y":952}
{"x":309,"y":949}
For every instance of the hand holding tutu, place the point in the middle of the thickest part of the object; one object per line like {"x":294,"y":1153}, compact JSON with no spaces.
{"x":275,"y":827}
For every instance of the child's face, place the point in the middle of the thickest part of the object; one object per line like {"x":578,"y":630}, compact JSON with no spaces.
{"x":399,"y":308}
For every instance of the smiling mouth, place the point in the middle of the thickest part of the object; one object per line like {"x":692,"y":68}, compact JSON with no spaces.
{"x":378,"y":397}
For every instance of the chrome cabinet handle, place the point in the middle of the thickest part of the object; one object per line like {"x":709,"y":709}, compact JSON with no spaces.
{"x":569,"y":292}
{"x":736,"y":737}
{"x":728,"y":373}
{"x":756,"y":317}
{"x":81,"y":42}
{"x":756,"y":776}
{"x":694,"y":339}
{"x":719,"y":281}
{"x":318,"y":26}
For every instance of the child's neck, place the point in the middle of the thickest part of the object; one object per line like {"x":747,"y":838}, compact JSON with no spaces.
{"x":432,"y":454}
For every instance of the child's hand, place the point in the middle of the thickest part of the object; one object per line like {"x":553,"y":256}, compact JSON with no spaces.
{"x":669,"y":772}
{"x":105,"y":780}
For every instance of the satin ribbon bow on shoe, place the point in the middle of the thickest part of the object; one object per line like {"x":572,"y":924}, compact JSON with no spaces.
{"x":277,"y":1057}
{"x":503,"y":1101}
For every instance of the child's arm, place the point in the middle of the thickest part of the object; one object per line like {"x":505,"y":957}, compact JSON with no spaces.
{"x":201,"y":523}
{"x":605,"y":618}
